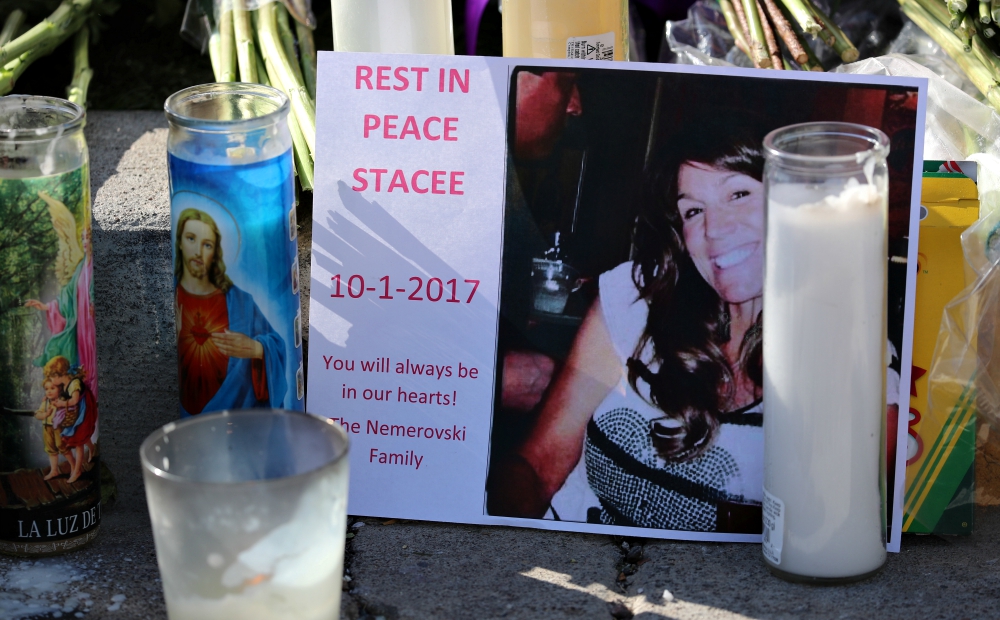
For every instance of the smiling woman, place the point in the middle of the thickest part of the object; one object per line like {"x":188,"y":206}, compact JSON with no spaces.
{"x":655,"y":419}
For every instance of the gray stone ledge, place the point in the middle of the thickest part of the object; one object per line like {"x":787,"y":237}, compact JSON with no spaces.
{"x":426,"y":570}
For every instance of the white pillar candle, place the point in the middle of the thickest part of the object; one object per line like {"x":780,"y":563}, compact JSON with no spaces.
{"x":824,"y":374}
{"x":393,"y":26}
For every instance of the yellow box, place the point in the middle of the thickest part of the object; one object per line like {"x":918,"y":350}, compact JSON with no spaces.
{"x":940,"y":473}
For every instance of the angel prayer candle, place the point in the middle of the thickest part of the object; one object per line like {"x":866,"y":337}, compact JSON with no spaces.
{"x":50,"y":497}
{"x":824,"y":347}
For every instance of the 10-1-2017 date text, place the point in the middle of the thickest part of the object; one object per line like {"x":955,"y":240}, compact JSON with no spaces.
{"x":418,"y":289}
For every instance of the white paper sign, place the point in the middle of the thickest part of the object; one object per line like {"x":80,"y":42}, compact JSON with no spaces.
{"x":464,"y":249}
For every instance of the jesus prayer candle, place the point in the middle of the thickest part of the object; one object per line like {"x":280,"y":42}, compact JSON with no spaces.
{"x":824,"y":347}
{"x":235,"y":259}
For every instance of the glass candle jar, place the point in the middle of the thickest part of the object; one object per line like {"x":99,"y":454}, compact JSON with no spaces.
{"x":249,"y":514}
{"x":824,"y":351}
{"x":236,"y":261}
{"x":49,"y":468}
{"x":578,"y":29}
{"x":393,"y":26}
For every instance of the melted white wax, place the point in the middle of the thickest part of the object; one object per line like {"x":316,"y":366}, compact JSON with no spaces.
{"x":295,"y":571}
{"x":48,"y":587}
{"x":823,"y":375}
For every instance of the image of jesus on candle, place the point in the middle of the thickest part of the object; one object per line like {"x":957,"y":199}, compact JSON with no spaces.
{"x":228,"y":354}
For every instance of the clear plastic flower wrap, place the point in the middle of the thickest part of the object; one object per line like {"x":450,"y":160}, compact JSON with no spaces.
{"x":703,"y":38}
{"x":267,"y":42}
{"x":964,"y":377}
{"x":201,"y":17}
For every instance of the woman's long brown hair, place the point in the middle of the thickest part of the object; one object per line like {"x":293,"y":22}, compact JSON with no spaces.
{"x":689,"y":377}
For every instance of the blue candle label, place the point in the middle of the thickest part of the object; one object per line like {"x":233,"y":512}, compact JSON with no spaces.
{"x":236,"y":279}
{"x":49,"y":474}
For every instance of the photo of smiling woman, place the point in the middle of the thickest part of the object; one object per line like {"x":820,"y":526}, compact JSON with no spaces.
{"x":655,"y":419}
{"x":628,"y":377}
{"x":629,"y":370}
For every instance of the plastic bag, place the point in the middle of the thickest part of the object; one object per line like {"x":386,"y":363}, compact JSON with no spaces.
{"x":958,"y":126}
{"x":964,"y":377}
{"x":200,"y":16}
{"x":703,"y":39}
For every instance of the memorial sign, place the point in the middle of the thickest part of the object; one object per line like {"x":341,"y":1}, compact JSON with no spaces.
{"x":536,"y":285}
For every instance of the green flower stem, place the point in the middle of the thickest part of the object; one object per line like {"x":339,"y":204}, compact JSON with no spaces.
{"x":214,"y":45}
{"x":16,"y":68}
{"x":978,"y":73}
{"x":227,"y":49}
{"x":287,"y":40}
{"x":245,"y":48}
{"x":937,"y":10}
{"x":282,"y":76}
{"x":300,"y":11}
{"x":984,"y":11}
{"x":307,"y":51}
{"x":82,"y":73}
{"x":957,"y":6}
{"x":758,"y":46}
{"x":985,"y":55}
{"x":805,"y":18}
{"x":303,"y":160}
{"x":57,"y":26}
{"x":968,"y":29}
{"x":841,"y":44}
{"x":262,"y":76}
{"x":785,"y":31}
{"x":773,"y":51}
{"x":995,"y":10}
{"x":732,"y":23}
{"x":15,"y":21}
{"x":13,"y":69}
{"x":954,"y":18}
{"x":741,"y":19}
{"x":812,"y":63}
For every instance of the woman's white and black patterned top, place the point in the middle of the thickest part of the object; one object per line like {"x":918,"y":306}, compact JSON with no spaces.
{"x":621,"y":479}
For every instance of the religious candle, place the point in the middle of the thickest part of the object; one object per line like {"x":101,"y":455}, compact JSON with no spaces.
{"x":577,"y":29}
{"x":824,"y":347}
{"x":50,"y":497}
{"x":393,"y":26}
{"x":249,"y":514}
{"x":234,"y":242}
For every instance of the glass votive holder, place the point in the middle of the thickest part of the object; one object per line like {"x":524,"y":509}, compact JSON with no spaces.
{"x":249,"y":514}
{"x":552,"y":281}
